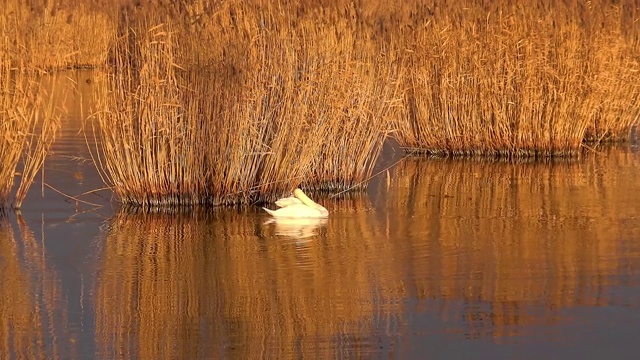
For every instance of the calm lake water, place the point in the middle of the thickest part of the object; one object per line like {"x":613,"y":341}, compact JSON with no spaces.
{"x":439,"y":259}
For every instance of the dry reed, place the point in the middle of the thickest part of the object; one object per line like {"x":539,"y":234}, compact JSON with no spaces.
{"x":54,"y":35}
{"x":46,"y":122}
{"x":13,"y":130}
{"x":271,"y":95}
{"x":28,"y":125}
{"x":278,"y":107}
{"x":523,"y":80}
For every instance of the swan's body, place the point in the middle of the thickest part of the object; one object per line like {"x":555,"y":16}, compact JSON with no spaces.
{"x":298,"y":206}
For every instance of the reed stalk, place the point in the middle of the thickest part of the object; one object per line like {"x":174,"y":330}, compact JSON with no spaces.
{"x":147,"y":141}
{"x":56,"y":35}
{"x":13,"y":129}
{"x":28,"y":125}
{"x":45,"y":125}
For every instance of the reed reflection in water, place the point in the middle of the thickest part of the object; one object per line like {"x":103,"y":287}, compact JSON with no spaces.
{"x":33,"y":310}
{"x":207,"y":285}
{"x":506,"y":245}
{"x":458,"y":250}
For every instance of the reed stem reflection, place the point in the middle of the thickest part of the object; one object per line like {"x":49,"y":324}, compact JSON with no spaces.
{"x":506,"y":244}
{"x":234,"y":280}
{"x":33,"y":321}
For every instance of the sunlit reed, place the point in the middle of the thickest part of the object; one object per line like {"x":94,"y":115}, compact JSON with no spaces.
{"x":236,"y":102}
{"x":28,"y":125}
{"x":271,"y":112}
{"x":519,"y":80}
{"x":14,"y":127}
{"x":46,"y":123}
{"x":57,"y":35}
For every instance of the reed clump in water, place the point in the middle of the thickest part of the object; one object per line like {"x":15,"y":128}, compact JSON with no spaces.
{"x":12,"y":133}
{"x":523,"y":81}
{"x":278,"y":107}
{"x":147,"y":142}
{"x":28,"y":125}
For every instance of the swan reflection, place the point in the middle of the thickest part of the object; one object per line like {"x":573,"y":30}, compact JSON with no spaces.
{"x":297,"y":228}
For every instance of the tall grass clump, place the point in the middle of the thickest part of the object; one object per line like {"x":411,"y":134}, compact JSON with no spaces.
{"x":28,"y":125}
{"x":148,"y":142}
{"x":498,"y":77}
{"x":12,"y":133}
{"x":522,"y":81}
{"x":353,"y":95}
{"x":248,"y":109}
{"x":314,"y":91}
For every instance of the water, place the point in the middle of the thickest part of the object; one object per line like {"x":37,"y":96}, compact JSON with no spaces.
{"x":438,"y":259}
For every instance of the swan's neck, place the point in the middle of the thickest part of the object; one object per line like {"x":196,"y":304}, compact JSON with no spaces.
{"x":304,"y":198}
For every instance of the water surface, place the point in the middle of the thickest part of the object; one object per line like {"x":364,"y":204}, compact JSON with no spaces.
{"x":441,"y":259}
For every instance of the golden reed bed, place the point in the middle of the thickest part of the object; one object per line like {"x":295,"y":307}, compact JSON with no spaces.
{"x":235,"y":102}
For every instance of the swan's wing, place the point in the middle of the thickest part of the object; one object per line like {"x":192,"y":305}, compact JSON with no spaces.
{"x":271,"y":212}
{"x":284,"y":202}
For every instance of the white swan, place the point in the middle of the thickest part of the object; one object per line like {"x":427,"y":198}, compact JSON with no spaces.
{"x":298,"y":206}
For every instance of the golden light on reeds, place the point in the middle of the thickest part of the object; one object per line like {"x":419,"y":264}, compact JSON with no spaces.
{"x":241,"y":127}
{"x":521,"y":81}
{"x":57,"y":35}
{"x":28,"y":125}
{"x":513,"y":240}
{"x":236,"y":102}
